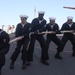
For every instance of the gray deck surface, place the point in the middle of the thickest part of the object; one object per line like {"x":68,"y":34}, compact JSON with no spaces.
{"x":56,"y":67}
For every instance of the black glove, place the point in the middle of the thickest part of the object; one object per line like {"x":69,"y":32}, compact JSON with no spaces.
{"x":35,"y":32}
{"x":58,"y":32}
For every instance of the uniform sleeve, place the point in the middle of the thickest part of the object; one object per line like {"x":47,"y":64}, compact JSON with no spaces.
{"x":74,"y":27}
{"x":29,"y":30}
{"x":6,"y":40}
{"x":33,"y":24}
{"x":17,"y":31}
{"x":5,"y":50}
{"x":63,"y":27}
{"x":57,"y":29}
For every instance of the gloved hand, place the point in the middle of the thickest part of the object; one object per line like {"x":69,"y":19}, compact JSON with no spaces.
{"x":35,"y":32}
{"x":58,"y":32}
{"x":31,"y":33}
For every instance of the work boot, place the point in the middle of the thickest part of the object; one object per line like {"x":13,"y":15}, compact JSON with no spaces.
{"x":57,"y":56}
{"x":28,"y":63}
{"x":73,"y":54}
{"x":24,"y":65}
{"x":45,"y":62}
{"x":12,"y":65}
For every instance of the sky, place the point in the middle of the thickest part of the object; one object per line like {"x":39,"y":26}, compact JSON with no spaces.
{"x":11,"y":9}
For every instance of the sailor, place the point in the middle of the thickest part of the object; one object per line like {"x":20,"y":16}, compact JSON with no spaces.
{"x":4,"y":47}
{"x":53,"y":28}
{"x":69,"y":26}
{"x":36,"y":25}
{"x":22,"y":33}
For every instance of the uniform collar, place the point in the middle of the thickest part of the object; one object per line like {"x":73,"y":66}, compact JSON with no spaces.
{"x":23,"y":24}
{"x":40,"y":20}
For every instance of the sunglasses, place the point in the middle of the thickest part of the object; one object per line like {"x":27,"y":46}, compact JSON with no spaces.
{"x":22,"y":19}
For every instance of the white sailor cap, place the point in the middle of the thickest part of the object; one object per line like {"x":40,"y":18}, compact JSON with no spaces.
{"x":69,"y":18}
{"x":24,"y":16}
{"x":41,"y":12}
{"x":52,"y":18}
